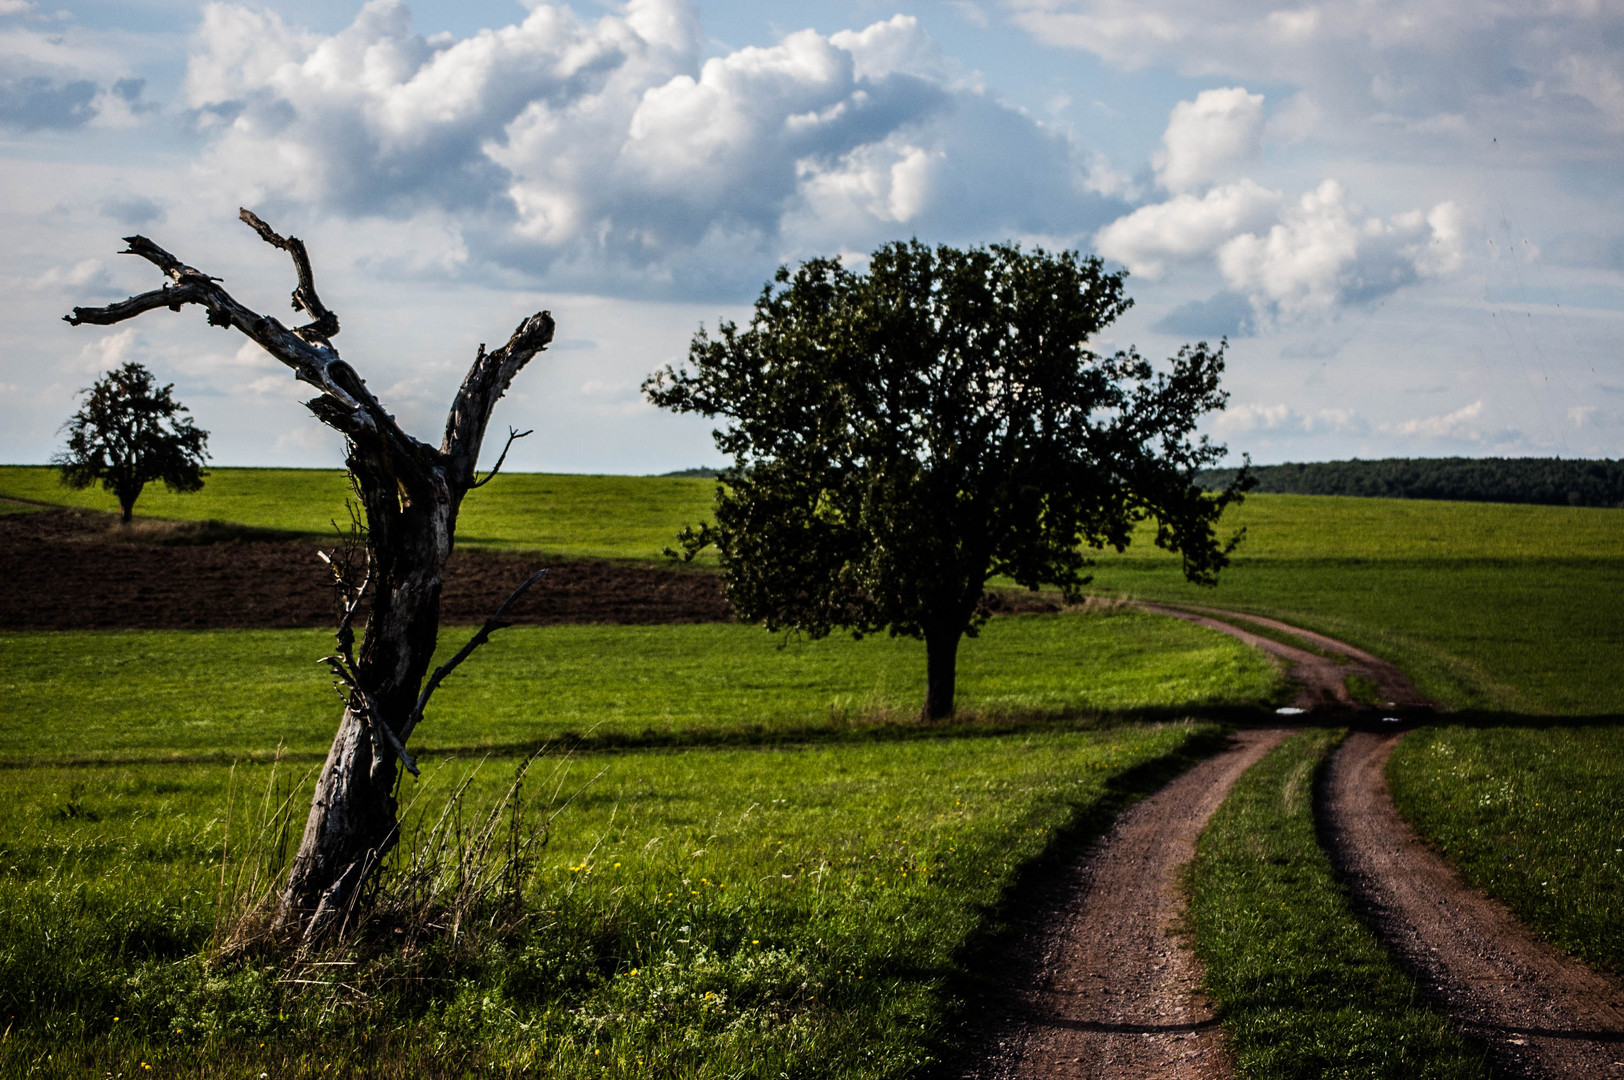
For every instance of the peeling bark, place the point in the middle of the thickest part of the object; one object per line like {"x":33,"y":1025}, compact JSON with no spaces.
{"x":411,"y":493}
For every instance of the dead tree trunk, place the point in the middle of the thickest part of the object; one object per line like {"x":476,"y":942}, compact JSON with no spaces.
{"x":410,"y":493}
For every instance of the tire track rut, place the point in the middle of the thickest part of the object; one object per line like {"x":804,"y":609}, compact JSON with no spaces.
{"x":1105,"y":987}
{"x":1538,"y":1012}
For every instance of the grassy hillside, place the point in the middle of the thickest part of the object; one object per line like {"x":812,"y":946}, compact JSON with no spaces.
{"x":634,"y":516}
{"x":777,"y":870}
{"x":1488,"y":606}
{"x":801,"y":911}
{"x":630,"y":517}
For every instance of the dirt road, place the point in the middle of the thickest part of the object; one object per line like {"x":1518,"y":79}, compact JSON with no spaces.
{"x":1539,"y":1012}
{"x":1101,"y":985}
{"x":1321,"y":676}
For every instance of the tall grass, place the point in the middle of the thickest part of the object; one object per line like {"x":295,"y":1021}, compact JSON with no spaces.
{"x":802,"y":911}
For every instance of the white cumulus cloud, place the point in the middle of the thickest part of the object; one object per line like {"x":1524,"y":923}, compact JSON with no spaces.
{"x":613,"y":146}
{"x":1186,"y":226}
{"x":1282,"y":419}
{"x":1460,"y":424}
{"x":1288,"y":259}
{"x":1211,"y":138}
{"x":1320,"y":255}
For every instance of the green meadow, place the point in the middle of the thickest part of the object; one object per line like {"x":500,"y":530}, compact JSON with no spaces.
{"x":152,"y":695}
{"x":811,"y":909}
{"x":1485,"y":605}
{"x":760,"y":863}
{"x":620,"y":517}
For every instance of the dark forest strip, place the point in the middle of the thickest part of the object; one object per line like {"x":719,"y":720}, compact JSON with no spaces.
{"x":1547,"y":481}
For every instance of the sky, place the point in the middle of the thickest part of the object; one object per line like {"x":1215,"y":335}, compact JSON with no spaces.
{"x":1407,"y":218}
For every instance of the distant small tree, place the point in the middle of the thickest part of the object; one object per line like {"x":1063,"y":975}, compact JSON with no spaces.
{"x":902,"y":436}
{"x":128,"y":433}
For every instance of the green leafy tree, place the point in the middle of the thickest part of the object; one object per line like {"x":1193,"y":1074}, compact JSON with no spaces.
{"x":128,"y":433}
{"x":902,"y":436}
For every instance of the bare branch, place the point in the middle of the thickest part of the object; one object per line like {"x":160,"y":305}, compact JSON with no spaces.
{"x":486,"y":382}
{"x":513,"y":435}
{"x":350,"y":594}
{"x":325,"y":323}
{"x":492,"y":624}
{"x":171,"y":297}
{"x":346,"y":404}
{"x":345,"y":632}
{"x":310,"y":361}
{"x":340,"y":669}
{"x":345,"y":672}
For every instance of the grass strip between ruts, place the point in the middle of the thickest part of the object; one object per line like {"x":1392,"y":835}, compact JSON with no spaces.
{"x":1303,"y":987}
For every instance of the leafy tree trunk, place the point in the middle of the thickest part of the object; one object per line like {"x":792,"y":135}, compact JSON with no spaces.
{"x":126,"y":492}
{"x":941,"y":669}
{"x":411,"y":493}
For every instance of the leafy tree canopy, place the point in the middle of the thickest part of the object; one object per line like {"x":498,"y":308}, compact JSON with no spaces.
{"x":128,"y":433}
{"x":901,"y":436}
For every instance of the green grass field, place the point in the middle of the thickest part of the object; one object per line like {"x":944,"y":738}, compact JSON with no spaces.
{"x":800,"y":911}
{"x":1487,"y":606}
{"x":151,"y":695}
{"x":1304,"y":988}
{"x":619,"y":517}
{"x":1505,"y":612}
{"x":791,"y":876}
{"x":1533,"y":815}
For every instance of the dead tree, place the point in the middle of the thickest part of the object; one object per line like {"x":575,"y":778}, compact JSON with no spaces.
{"x":410,"y":493}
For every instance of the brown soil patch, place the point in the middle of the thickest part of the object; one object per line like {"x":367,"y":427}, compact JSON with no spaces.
{"x":1100,"y":984}
{"x":75,"y":570}
{"x":1539,"y":1012}
{"x":66,"y":570}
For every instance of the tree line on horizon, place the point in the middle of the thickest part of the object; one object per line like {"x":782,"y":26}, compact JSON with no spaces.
{"x":1544,"y":481}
